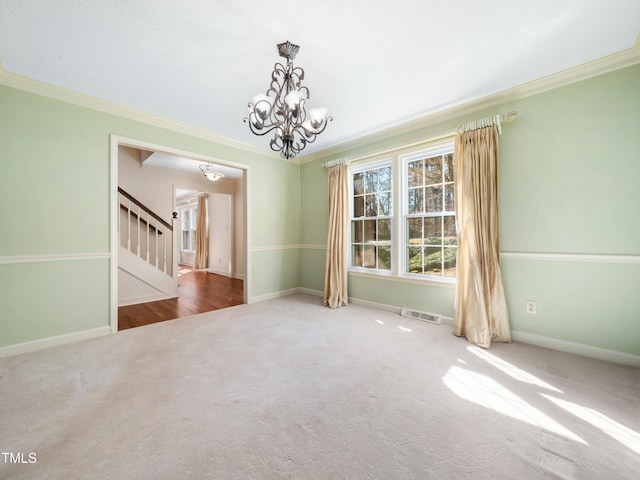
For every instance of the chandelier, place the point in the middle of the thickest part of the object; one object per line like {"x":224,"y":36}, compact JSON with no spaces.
{"x":208,"y":170}
{"x":282,"y":109}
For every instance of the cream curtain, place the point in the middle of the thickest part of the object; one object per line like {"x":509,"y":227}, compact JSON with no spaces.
{"x":335,"y":281}
{"x":202,"y":234}
{"x":480,"y":307}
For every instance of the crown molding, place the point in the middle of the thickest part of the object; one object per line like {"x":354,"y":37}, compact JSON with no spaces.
{"x":601,"y":66}
{"x":37,"y":87}
{"x":610,"y":63}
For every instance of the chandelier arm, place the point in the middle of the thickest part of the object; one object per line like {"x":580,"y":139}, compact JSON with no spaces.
{"x":261,"y":132}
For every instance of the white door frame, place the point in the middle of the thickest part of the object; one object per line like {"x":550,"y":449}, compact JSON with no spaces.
{"x":118,"y":140}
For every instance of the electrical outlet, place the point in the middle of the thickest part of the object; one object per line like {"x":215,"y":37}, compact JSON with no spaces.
{"x":530,"y":307}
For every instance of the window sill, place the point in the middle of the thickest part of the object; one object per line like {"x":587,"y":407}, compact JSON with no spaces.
{"x":444,"y":283}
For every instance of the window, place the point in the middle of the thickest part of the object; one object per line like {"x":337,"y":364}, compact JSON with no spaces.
{"x":418,"y":238}
{"x":429,"y":220}
{"x":372,"y":207}
{"x":188,"y":222}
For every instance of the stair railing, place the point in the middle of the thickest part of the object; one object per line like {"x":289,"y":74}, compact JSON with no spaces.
{"x":145,"y":234}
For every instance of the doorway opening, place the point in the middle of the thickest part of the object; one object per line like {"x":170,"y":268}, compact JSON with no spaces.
{"x":168,"y":180}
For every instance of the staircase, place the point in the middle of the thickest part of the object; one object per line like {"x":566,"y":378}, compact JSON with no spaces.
{"x":147,"y":261}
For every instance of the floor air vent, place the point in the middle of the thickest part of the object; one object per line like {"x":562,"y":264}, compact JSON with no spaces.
{"x":424,"y":316}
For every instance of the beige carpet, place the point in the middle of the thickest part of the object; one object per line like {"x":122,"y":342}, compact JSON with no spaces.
{"x":289,"y":389}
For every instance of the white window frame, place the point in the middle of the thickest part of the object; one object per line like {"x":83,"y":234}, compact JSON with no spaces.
{"x":398,"y":160}
{"x":192,"y":208}
{"x":404,"y":161}
{"x":379,"y":164}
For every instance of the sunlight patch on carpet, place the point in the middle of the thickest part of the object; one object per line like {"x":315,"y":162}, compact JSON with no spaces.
{"x":629,"y":438}
{"x":488,"y":393}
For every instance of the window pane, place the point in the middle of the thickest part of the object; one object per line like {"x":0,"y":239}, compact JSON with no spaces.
{"x":449,"y":204}
{"x":415,"y":230}
{"x":416,"y":200}
{"x":414,"y":259}
{"x":369,"y":231}
{"x":433,"y":199}
{"x":433,"y":261}
{"x":358,"y":184}
{"x":356,"y":231}
{"x":194,"y":218}
{"x":384,"y":177}
{"x":384,"y":258}
{"x":449,"y":234}
{"x":433,"y":170}
{"x":370,"y":181}
{"x":384,"y":231}
{"x":450,"y":261}
{"x":356,"y":255}
{"x":358,"y":206}
{"x":415,"y":169}
{"x":371,"y":209}
{"x":433,"y":230}
{"x":384,"y":206}
{"x":369,"y":257}
{"x":448,"y":167}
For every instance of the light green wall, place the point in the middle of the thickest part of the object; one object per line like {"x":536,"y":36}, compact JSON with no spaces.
{"x":569,"y":183}
{"x":569,"y":172}
{"x":54,"y":192}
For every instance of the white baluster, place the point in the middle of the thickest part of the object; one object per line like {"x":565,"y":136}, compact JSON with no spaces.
{"x":156,"y":223}
{"x":148,"y":243}
{"x":138,"y":231}
{"x":129,"y":226}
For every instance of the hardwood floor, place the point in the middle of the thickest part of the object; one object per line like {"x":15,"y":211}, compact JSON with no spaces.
{"x":199,"y":292}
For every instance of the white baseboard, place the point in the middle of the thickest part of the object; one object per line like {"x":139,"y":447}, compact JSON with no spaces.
{"x":539,"y":340}
{"x":123,"y":302}
{"x":381,"y":306}
{"x":43,"y":343}
{"x":224,"y":273}
{"x":271,"y":296}
{"x":310,"y":291}
{"x":576,"y":348}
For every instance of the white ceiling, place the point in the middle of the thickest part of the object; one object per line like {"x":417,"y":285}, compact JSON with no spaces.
{"x":174,"y":162}
{"x":373,"y":64}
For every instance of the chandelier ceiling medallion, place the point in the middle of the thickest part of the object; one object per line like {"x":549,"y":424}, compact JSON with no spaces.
{"x":282,"y":109}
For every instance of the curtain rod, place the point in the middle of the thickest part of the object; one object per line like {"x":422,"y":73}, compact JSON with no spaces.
{"x":339,"y":161}
{"x":488,"y":122}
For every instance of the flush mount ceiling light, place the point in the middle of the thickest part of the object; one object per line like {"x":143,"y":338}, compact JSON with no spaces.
{"x":208,"y":170}
{"x":282,"y":108}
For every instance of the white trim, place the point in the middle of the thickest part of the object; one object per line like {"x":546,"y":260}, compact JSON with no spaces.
{"x":273,"y":295}
{"x":153,"y":297}
{"x":117,"y":140}
{"x":379,"y":306}
{"x":47,"y":90}
{"x":59,"y":257}
{"x":58,"y":340}
{"x":114,"y":209}
{"x":311,"y":291}
{"x":269,"y":248}
{"x":572,"y":257}
{"x":576,"y":348}
{"x":538,"y":340}
{"x":617,"y":61}
{"x":397,"y":278}
{"x":313,"y":247}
